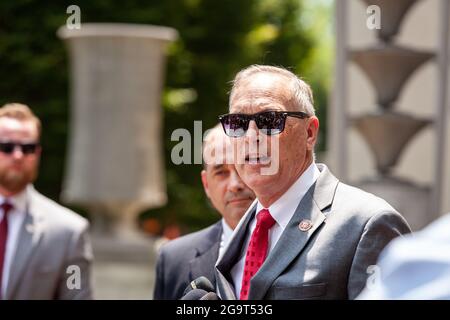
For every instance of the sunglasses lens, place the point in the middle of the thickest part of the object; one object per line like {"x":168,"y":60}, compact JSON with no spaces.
{"x":234,"y":125}
{"x":29,"y":148}
{"x":270,"y":123}
{"x":6,"y":147}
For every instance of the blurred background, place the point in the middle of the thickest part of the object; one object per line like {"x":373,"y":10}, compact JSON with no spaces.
{"x":69,"y":81}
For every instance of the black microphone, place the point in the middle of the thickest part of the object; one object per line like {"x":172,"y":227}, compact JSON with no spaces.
{"x":199,"y":294}
{"x":200,"y":283}
{"x":200,"y":289}
{"x":195,"y":294}
{"x":210,"y":296}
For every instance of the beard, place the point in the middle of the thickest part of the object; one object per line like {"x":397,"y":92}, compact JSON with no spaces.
{"x":15,"y":181}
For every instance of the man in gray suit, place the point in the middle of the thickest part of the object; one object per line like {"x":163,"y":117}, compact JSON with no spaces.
{"x":415,"y":267}
{"x":44,"y":249}
{"x":309,"y":236}
{"x":184,"y":259}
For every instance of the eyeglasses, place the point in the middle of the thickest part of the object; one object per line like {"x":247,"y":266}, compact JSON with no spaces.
{"x":269,"y":122}
{"x":27,"y":148}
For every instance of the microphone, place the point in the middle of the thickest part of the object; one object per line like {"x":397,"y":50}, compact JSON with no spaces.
{"x":210,"y":296}
{"x":199,"y":294}
{"x":200,"y":283}
{"x":195,"y":294}
{"x":200,"y":289}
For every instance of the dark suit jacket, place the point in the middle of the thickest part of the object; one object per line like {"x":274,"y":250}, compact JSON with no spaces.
{"x":350,"y":228}
{"x":184,"y":259}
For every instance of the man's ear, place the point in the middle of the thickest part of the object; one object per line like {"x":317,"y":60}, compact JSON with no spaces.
{"x":312,"y":132}
{"x":205,"y":182}
{"x":38,"y":153}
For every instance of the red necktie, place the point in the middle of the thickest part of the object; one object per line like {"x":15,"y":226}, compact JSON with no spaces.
{"x":6,"y":207}
{"x":257,"y":249}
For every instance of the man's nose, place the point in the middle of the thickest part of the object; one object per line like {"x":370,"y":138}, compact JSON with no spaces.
{"x":252,"y":132}
{"x":17,"y":153}
{"x":236,"y":183}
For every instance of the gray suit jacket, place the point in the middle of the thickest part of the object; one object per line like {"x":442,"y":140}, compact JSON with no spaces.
{"x":329,"y":261}
{"x":51,"y":239}
{"x":185,"y":259}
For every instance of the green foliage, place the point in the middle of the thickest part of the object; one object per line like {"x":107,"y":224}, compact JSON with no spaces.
{"x":216,"y":39}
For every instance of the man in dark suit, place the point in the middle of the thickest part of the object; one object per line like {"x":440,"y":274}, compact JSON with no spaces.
{"x":45,"y":252}
{"x":308,"y":236}
{"x":184,"y":259}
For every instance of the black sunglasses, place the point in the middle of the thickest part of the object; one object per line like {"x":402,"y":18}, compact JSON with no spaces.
{"x":27,"y":148}
{"x":269,"y":122}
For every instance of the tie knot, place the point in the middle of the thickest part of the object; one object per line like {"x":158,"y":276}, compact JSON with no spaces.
{"x":6,"y":207}
{"x":265,"y":219}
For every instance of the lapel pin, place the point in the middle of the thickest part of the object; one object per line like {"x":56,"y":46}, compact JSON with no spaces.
{"x":305,"y":225}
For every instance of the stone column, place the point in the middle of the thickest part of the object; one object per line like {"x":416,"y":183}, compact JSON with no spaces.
{"x":389,"y":116}
{"x":115,"y":159}
{"x":115,"y":164}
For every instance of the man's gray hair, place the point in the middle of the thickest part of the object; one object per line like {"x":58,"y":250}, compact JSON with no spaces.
{"x":302,"y":95}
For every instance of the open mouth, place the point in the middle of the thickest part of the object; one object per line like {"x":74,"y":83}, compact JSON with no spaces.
{"x":257,"y":159}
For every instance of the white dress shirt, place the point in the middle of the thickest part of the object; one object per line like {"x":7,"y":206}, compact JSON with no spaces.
{"x":282,"y":211}
{"x":225,"y":238}
{"x":15,"y":220}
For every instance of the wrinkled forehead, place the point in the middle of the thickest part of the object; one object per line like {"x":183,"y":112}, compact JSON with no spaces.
{"x":14,"y":129}
{"x":261,"y":91}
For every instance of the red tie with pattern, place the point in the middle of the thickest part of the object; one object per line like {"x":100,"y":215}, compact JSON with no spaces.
{"x":6,"y":207}
{"x":257,"y":249}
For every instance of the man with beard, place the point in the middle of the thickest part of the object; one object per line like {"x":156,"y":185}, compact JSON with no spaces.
{"x":187,"y":258}
{"x":44,"y":249}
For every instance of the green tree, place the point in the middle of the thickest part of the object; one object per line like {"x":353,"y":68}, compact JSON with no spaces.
{"x":216,"y":39}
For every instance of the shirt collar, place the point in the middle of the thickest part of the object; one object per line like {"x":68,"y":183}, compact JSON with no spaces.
{"x":226,"y":232}
{"x":284,"y":208}
{"x":19,"y":201}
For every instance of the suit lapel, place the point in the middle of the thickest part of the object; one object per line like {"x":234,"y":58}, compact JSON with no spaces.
{"x":293,"y":240}
{"x":289,"y":246}
{"x":203,"y":264}
{"x":232,"y":254}
{"x":29,"y":237}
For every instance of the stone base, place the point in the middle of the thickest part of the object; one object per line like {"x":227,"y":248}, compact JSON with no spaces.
{"x":124,"y":267}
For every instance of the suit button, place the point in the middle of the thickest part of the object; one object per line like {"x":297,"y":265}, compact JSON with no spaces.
{"x":305,"y":225}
